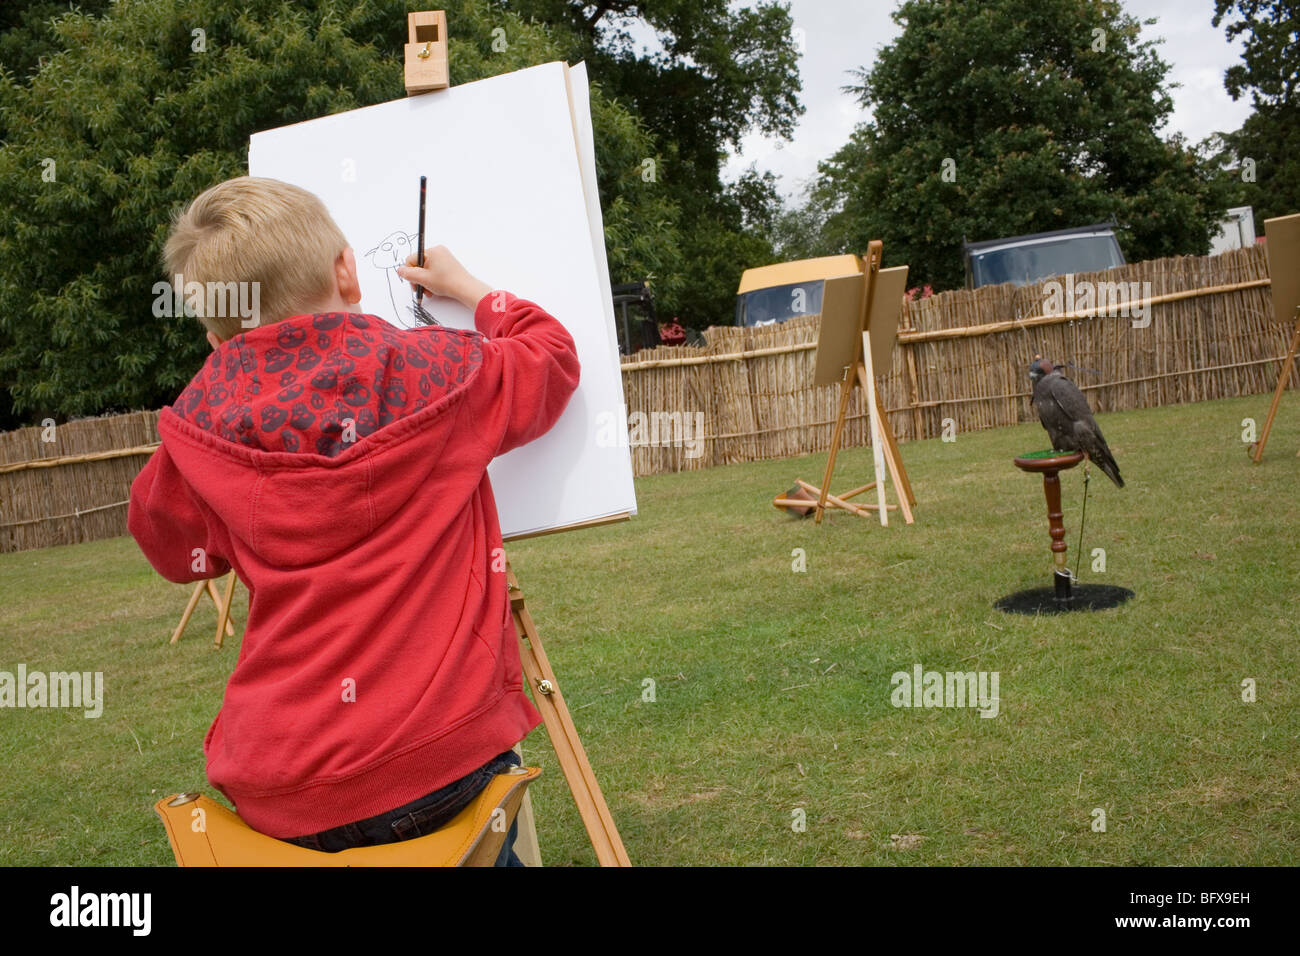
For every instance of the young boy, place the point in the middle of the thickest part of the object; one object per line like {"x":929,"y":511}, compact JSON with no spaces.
{"x":338,"y":464}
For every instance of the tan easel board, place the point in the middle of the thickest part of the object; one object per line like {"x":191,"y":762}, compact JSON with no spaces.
{"x":1283,"y":246}
{"x":1283,"y":249}
{"x":841,"y":304}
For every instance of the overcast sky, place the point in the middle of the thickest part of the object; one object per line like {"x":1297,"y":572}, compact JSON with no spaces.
{"x":840,"y":35}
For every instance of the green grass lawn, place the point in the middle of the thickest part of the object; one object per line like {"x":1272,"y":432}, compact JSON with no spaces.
{"x":772,"y":687}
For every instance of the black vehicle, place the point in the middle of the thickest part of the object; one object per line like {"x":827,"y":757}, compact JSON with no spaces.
{"x":1024,"y":260}
{"x":635,"y":332}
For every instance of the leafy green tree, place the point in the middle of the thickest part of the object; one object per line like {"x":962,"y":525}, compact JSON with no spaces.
{"x":27,"y":37}
{"x":798,"y":227}
{"x":25,"y":31}
{"x":1264,"y":155}
{"x":719,"y":255}
{"x":137,"y":113}
{"x":994,"y":118}
{"x":722,"y":71}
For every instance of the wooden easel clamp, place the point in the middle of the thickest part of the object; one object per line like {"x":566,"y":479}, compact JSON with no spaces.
{"x":426,"y":52}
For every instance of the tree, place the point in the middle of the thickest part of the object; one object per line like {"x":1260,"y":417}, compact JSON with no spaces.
{"x":146,"y":107}
{"x":720,"y":254}
{"x":26,"y":36}
{"x":1264,"y":155}
{"x":798,"y":228}
{"x":723,"y":71}
{"x":1002,"y":117}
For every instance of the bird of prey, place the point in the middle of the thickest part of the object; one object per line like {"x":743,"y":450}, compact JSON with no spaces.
{"x":1065,"y":414}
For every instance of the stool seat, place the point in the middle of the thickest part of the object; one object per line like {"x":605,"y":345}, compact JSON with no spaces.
{"x":204,"y":833}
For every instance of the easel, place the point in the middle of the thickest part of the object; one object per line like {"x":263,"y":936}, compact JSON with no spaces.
{"x":426,"y":70}
{"x":1283,"y":235}
{"x":860,"y":371}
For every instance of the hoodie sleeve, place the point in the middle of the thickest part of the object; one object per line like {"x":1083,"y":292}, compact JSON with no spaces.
{"x":169,"y":526}
{"x":530,"y":371}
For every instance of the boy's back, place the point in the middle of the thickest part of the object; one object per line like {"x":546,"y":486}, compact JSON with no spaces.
{"x":337,"y":463}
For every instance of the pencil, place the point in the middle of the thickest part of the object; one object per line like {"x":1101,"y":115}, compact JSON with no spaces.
{"x":419,"y":289}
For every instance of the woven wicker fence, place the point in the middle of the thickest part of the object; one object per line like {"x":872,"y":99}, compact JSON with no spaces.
{"x":965,"y":356}
{"x":70,"y":483}
{"x":961,"y":356}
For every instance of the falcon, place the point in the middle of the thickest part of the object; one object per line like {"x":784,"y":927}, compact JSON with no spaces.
{"x":1065,"y":414}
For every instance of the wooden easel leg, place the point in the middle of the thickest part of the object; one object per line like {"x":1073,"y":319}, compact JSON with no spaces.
{"x":891,"y":449}
{"x":223,"y":614}
{"x":894,"y":461}
{"x":846,"y":390}
{"x":526,"y":846}
{"x":857,"y":491}
{"x":208,"y":587}
{"x":1277,"y":393}
{"x":564,"y":736}
{"x":865,"y":378}
{"x":836,"y":501}
{"x":893,"y":466}
{"x":195,"y":595}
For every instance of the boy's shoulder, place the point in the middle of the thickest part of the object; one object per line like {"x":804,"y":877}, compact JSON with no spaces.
{"x":296,"y":384}
{"x":444,"y":348}
{"x":341,"y":341}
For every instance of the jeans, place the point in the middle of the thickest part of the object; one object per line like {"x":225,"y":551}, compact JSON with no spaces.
{"x":420,"y":817}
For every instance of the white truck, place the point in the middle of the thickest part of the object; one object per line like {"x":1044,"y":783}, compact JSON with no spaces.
{"x":1236,"y":230}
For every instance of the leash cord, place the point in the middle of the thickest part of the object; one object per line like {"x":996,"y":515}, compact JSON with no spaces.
{"x":1083,"y":518}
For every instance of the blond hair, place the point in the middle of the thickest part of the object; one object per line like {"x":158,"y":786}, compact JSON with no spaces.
{"x":277,"y":237}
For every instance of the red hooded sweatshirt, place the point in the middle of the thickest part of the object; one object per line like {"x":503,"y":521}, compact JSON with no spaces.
{"x":338,"y":464}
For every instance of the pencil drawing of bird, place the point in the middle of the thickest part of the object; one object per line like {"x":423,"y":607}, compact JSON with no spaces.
{"x":1067,"y":417}
{"x":389,"y":253}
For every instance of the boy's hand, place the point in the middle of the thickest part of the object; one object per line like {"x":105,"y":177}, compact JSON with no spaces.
{"x":443,"y":275}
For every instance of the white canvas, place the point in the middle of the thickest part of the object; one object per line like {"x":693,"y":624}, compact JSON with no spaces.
{"x":512,"y":193}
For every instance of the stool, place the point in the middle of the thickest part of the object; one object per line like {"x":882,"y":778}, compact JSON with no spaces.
{"x":204,"y":833}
